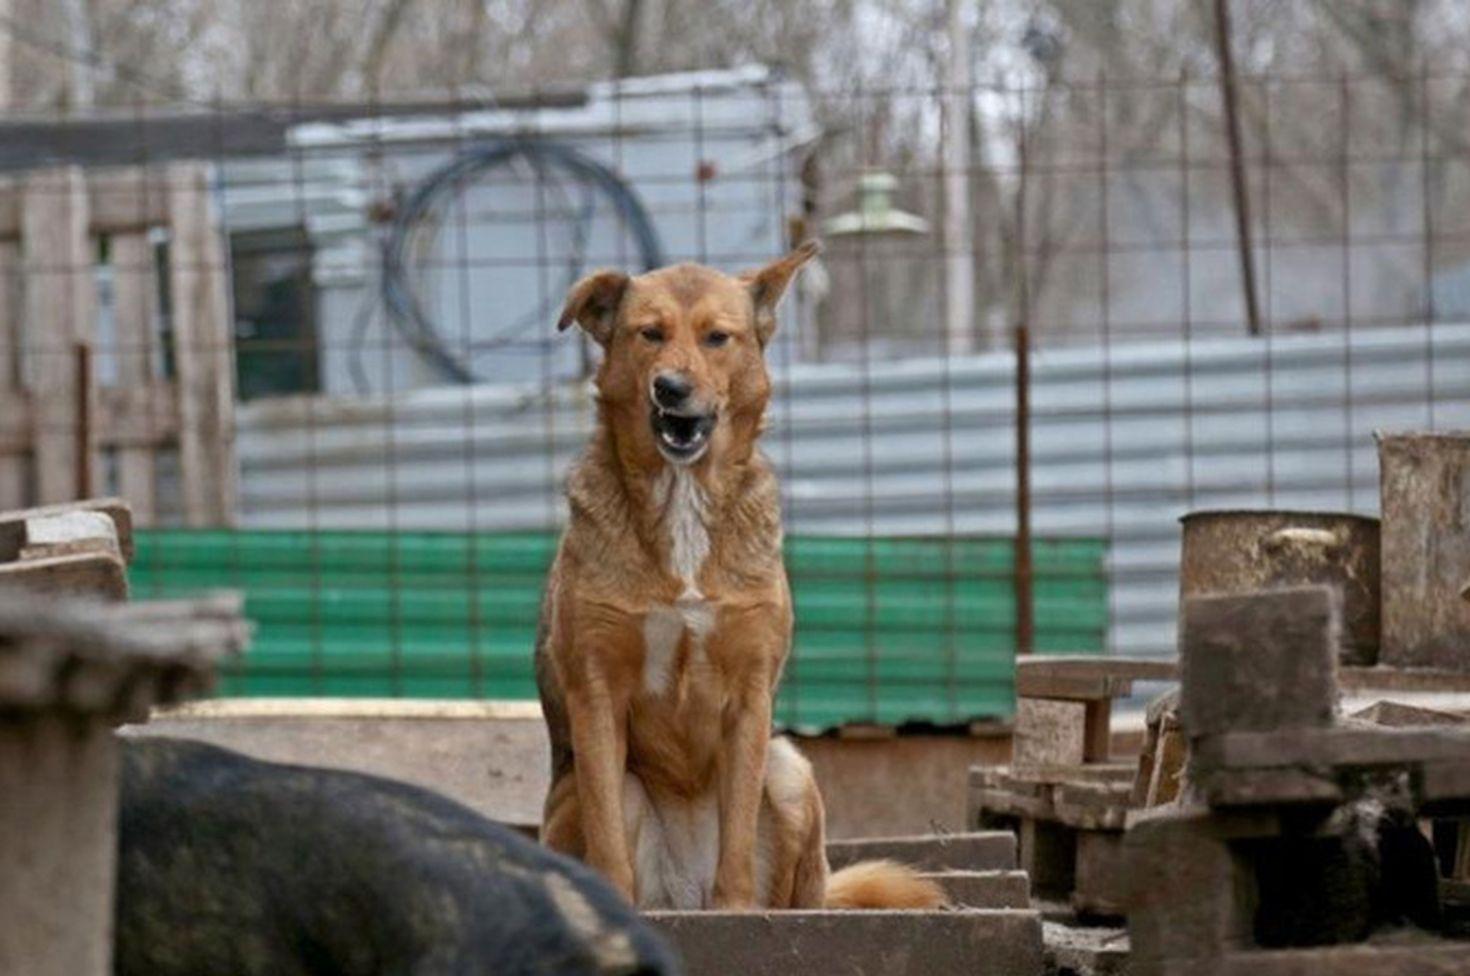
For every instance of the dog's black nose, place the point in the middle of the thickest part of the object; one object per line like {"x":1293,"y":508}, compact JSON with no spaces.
{"x":671,"y":390}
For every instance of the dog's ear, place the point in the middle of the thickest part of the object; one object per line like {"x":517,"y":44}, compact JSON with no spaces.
{"x":593,"y":304}
{"x":768,"y":284}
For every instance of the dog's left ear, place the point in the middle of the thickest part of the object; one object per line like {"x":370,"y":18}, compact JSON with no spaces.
{"x":593,"y":304}
{"x":768,"y":284}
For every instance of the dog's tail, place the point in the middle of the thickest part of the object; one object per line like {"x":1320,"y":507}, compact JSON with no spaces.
{"x":881,"y":884}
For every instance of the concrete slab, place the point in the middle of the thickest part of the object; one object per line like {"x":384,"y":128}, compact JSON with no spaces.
{"x":984,"y":889}
{"x":911,"y":784}
{"x":490,"y":756}
{"x":1049,"y":733}
{"x":1073,"y":950}
{"x":856,"y":943}
{"x":493,"y":756}
{"x":985,"y":850}
{"x":1426,"y":957}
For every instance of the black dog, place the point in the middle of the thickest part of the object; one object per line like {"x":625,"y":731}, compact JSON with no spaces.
{"x":228,"y":865}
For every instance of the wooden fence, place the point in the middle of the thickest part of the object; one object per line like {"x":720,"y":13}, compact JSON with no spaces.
{"x":169,"y":359}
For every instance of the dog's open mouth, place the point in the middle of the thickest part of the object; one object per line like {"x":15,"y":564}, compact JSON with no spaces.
{"x":682,"y":437}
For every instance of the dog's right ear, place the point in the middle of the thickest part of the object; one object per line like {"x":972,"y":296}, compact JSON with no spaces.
{"x":593,"y":304}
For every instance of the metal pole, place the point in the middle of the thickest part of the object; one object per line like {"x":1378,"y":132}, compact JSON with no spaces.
{"x":1025,"y":577}
{"x":1229,"y":95}
{"x":959,"y":267}
{"x":83,"y":353}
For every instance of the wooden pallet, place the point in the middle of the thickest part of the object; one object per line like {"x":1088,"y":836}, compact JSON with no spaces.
{"x":77,"y":549}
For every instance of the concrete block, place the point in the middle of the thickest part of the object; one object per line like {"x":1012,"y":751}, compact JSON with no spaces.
{"x":984,"y":889}
{"x":1259,"y":661}
{"x":1100,"y":886}
{"x":1049,"y":733}
{"x":1188,"y":895}
{"x":859,"y":943}
{"x":987,"y":850}
{"x":58,"y":802}
{"x":1048,"y":852}
{"x":68,"y":671}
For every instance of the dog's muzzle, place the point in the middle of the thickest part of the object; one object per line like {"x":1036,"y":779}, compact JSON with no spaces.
{"x":682,"y":436}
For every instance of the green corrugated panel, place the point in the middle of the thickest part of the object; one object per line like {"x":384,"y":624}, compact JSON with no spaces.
{"x":889,"y":630}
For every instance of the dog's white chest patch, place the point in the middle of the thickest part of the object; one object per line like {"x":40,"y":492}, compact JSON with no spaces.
{"x":663,"y":628}
{"x":685,"y":511}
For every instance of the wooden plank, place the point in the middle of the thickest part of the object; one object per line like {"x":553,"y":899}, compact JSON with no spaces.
{"x":203,"y":351}
{"x":125,"y":417}
{"x":1333,"y":746}
{"x":60,"y":304}
{"x":1400,"y":715}
{"x":1078,"y":676}
{"x":119,"y":201}
{"x":13,"y":523}
{"x":1271,"y":787}
{"x":135,"y":291}
{"x":64,"y":533}
{"x":1401,"y":679}
{"x":14,"y":465}
{"x":1098,"y":726}
{"x":1170,"y":760}
{"x":94,"y":574}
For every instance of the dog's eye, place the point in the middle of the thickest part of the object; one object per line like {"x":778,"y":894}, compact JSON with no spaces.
{"x":652,"y":333}
{"x":716,"y":339}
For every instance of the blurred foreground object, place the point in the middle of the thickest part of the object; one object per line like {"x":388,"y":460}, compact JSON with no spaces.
{"x":70,"y":669}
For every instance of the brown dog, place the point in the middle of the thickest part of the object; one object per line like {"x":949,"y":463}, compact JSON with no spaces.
{"x":667,"y":617}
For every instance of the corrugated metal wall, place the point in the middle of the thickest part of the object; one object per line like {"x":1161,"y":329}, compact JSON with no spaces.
{"x":1125,"y":439}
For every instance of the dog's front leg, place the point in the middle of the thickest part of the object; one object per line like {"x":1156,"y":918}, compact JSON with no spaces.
{"x":742,"y":770}
{"x":600,"y":743}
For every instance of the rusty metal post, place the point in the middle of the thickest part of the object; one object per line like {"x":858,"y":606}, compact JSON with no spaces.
{"x":1024,"y":575}
{"x":84,"y":420}
{"x":1229,"y":95}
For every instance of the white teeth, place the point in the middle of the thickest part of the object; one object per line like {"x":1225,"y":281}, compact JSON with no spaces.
{"x":673,"y":441}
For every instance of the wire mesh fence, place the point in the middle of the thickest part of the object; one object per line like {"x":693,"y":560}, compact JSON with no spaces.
{"x":314,"y":345}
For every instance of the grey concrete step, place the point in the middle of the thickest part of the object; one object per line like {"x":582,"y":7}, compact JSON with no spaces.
{"x":987,"y":850}
{"x":971,"y":942}
{"x":984,"y":889}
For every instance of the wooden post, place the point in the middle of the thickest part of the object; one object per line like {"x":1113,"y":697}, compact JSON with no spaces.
{"x":203,"y":351}
{"x":959,"y":246}
{"x":135,"y":310}
{"x":7,"y":10}
{"x":60,"y":304}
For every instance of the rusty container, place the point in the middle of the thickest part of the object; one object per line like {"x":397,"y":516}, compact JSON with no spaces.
{"x":1240,"y":551}
{"x":1425,"y":483}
